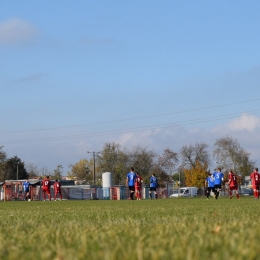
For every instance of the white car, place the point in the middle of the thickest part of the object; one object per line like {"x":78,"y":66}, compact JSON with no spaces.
{"x":185,"y":192}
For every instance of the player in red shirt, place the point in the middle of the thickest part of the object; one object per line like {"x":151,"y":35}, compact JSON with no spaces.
{"x":57,"y":189}
{"x":255,"y":179}
{"x":233,"y":184}
{"x":138,"y":186}
{"x":46,"y":187}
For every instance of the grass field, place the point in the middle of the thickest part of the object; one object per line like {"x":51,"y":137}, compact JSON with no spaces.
{"x":158,"y":229}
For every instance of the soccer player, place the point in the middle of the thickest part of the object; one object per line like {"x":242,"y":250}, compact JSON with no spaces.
{"x":210,"y":184}
{"x":218,"y":178}
{"x":153,"y":186}
{"x":26,"y":189}
{"x":57,"y":190}
{"x":138,"y":186}
{"x":255,"y":178}
{"x":130,"y":182}
{"x":46,"y":187}
{"x":233,"y":184}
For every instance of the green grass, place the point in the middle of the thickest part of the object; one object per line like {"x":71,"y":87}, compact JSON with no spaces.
{"x":158,"y":229}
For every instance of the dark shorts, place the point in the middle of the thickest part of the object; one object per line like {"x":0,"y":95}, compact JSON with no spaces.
{"x":217,"y":187}
{"x":209,"y":189}
{"x":131,"y":188}
{"x":152,"y":189}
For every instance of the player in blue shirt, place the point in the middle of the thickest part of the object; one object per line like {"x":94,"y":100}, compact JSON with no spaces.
{"x":218,"y":177}
{"x":26,"y":189}
{"x":130,"y":182}
{"x":210,"y":184}
{"x":153,"y":186}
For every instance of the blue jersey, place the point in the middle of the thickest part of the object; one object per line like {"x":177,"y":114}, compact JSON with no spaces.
{"x":131,"y":176}
{"x":26,"y":186}
{"x":218,"y":176}
{"x":153,"y":182}
{"x":211,"y":182}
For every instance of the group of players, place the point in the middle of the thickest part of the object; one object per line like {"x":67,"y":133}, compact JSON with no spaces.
{"x":134,"y":182}
{"x":214,"y":181}
{"x":46,"y":189}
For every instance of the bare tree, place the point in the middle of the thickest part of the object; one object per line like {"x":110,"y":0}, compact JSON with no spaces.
{"x":32,"y":170}
{"x":192,"y":154}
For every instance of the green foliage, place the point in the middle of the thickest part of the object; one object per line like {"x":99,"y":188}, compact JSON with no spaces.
{"x":81,"y":171}
{"x":178,"y":229}
{"x":13,"y":166}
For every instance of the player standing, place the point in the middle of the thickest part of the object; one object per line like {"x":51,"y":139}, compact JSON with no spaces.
{"x":218,"y":178}
{"x":57,"y":190}
{"x":130,"y":182}
{"x":255,"y":178}
{"x":233,"y":184}
{"x":26,"y":189}
{"x":210,"y":184}
{"x":153,"y":186}
{"x":46,"y":187}
{"x":138,"y":186}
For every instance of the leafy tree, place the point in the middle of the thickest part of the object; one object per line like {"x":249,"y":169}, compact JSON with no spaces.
{"x":81,"y":171}
{"x":142,"y":160}
{"x":195,"y":176}
{"x":112,"y":159}
{"x":57,"y":173}
{"x":228,"y":151}
{"x":190,"y":155}
{"x":2,"y":164}
{"x":14,"y":168}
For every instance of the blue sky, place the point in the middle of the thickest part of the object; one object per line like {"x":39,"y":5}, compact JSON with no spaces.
{"x":72,"y":73}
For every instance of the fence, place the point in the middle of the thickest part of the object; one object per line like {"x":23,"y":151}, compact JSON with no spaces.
{"x":14,"y":192}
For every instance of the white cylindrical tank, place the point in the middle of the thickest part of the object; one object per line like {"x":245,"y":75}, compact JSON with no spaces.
{"x":107,"y":179}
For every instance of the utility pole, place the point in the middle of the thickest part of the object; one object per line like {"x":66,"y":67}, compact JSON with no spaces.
{"x":94,"y":165}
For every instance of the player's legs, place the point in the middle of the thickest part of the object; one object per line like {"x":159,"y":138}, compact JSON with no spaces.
{"x":49,"y":194}
{"x":44,"y":194}
{"x":230,"y":193}
{"x":155,"y":194}
{"x":208,"y":192}
{"x":60,"y":195}
{"x":238,"y":196}
{"x":132,"y":192}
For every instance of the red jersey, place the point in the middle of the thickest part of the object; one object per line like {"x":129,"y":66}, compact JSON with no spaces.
{"x":138,"y":181}
{"x":57,"y":187}
{"x":233,"y":180}
{"x":255,"y":177}
{"x":46,"y":184}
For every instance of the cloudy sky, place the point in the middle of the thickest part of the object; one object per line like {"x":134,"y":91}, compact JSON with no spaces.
{"x":160,"y":74}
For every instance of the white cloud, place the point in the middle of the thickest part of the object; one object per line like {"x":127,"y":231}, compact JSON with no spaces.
{"x":244,"y":122}
{"x":16,"y":30}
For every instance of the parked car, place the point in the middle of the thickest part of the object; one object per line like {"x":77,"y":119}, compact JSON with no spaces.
{"x":185,"y":192}
{"x":247,"y":192}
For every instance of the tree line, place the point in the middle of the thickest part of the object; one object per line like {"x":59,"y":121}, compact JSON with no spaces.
{"x":189,"y":165}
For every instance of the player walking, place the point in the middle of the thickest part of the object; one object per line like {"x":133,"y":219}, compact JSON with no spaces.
{"x":218,"y":178}
{"x":130,"y":182}
{"x":210,"y":184}
{"x":26,"y":189}
{"x":138,"y":186}
{"x":46,"y":187}
{"x":255,"y":178}
{"x":57,"y":190}
{"x":233,"y":184}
